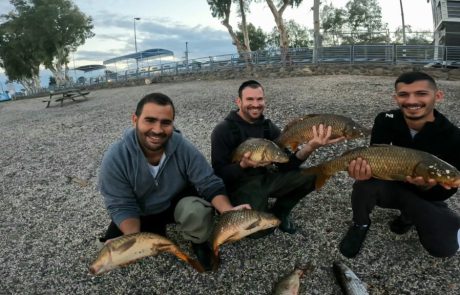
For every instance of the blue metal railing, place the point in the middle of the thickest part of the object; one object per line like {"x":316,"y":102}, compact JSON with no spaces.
{"x":428,"y":55}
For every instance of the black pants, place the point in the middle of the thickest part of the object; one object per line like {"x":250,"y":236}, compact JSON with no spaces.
{"x":436,"y":225}
{"x":287,"y":187}
{"x":155,"y":223}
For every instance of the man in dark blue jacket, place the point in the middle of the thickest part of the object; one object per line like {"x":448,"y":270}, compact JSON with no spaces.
{"x":154,"y":176}
{"x":418,"y":125}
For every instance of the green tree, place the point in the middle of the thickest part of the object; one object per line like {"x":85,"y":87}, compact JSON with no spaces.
{"x":365,"y":22}
{"x":299,"y":36}
{"x":333,"y":21}
{"x":413,"y":38}
{"x":50,"y":28}
{"x":18,"y":53}
{"x":222,"y":10}
{"x":256,"y":35}
{"x":278,"y":12}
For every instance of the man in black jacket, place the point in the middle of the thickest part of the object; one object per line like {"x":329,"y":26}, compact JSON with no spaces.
{"x":249,"y":182}
{"x":418,"y":125}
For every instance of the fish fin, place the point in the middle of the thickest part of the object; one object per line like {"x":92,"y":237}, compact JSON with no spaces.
{"x":294,"y":146}
{"x":321,"y":178}
{"x":235,"y":236}
{"x":321,"y":181}
{"x":397,"y":177}
{"x":125,"y":246}
{"x":253,"y":225}
{"x":184,"y":257}
{"x":196,"y":265}
{"x":215,"y":261}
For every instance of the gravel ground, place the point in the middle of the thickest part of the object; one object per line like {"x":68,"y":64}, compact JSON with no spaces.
{"x":51,"y":211}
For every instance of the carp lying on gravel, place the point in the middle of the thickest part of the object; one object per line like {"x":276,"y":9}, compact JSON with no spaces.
{"x":129,"y":248}
{"x":235,"y":225}
{"x":262,"y":150}
{"x":299,"y":131}
{"x":389,"y":162}
{"x":347,"y":279}
{"x":290,"y":284}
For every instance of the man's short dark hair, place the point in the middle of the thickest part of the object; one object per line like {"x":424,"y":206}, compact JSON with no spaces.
{"x":249,"y":83}
{"x":156,"y":98}
{"x":411,"y":77}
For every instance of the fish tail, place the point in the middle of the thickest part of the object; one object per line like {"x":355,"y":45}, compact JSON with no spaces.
{"x":321,"y":177}
{"x":215,"y":261}
{"x":194,"y":263}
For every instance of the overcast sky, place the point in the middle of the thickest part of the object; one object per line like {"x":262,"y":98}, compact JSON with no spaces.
{"x":169,"y":24}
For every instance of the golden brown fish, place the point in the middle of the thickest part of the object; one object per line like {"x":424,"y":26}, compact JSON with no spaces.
{"x":389,"y":162}
{"x":299,"y":130}
{"x":235,"y":225}
{"x":261,"y":150}
{"x":129,"y":248}
{"x":290,"y":284}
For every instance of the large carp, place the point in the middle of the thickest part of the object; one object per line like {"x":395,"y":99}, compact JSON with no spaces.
{"x":390,"y":162}
{"x":262,"y":150}
{"x":235,"y":225}
{"x":299,"y":131}
{"x":129,"y":248}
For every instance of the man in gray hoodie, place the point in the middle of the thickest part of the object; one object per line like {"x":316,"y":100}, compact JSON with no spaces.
{"x":154,"y":176}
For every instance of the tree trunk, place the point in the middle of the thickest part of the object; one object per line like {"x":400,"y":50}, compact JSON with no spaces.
{"x":244,"y":27}
{"x":58,"y":68}
{"x":284,"y":38}
{"x":316,"y":33}
{"x":31,"y":85}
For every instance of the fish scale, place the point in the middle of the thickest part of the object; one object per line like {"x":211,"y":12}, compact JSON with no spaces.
{"x":130,"y":248}
{"x":237,"y":224}
{"x":299,"y":131}
{"x":261,"y":150}
{"x":389,"y":162}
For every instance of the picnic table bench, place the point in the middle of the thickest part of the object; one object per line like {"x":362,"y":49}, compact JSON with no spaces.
{"x":66,"y":94}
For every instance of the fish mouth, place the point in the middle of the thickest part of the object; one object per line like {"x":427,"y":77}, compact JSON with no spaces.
{"x":94,"y":270}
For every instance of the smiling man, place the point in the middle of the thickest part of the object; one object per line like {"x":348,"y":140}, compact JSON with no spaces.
{"x":415,"y":124}
{"x":154,"y":176}
{"x":248,"y":181}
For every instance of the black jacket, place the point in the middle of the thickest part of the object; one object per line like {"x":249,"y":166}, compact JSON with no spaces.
{"x":226,"y":137}
{"x":440,"y":138}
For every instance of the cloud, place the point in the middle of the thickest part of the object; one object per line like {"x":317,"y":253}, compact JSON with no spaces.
{"x":158,"y":32}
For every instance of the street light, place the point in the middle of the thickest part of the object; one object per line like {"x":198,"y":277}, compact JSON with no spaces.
{"x":135,"y":43}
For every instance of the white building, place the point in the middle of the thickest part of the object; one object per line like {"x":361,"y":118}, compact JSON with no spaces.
{"x":446,"y":18}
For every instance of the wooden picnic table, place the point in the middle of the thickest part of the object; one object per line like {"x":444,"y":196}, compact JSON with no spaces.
{"x":66,"y":94}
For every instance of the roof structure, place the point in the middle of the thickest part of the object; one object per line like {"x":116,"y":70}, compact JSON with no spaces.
{"x":90,"y":68}
{"x":149,"y":53}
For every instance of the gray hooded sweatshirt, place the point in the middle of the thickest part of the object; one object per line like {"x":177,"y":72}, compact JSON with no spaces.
{"x":130,"y":190}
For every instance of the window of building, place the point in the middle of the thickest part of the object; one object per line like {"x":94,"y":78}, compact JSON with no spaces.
{"x":453,"y":9}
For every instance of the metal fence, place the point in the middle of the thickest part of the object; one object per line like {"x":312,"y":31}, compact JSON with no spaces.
{"x":424,"y":55}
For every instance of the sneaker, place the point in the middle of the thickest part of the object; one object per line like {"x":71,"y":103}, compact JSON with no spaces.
{"x":204,"y":254}
{"x":400,"y":225}
{"x":287,"y":225}
{"x":353,"y":240}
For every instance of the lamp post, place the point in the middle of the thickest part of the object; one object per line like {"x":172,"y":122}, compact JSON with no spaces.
{"x":135,"y":43}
